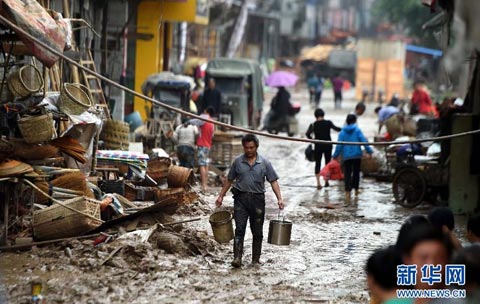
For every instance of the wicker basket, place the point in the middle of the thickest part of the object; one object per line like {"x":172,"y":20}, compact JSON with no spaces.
{"x":139,"y":193}
{"x":158,"y":168}
{"x":179,"y":177}
{"x":59,"y":222}
{"x":74,"y":99}
{"x":25,"y":81}
{"x":370,"y":165}
{"x":36,"y":129}
{"x":115,"y":135}
{"x":224,"y":153}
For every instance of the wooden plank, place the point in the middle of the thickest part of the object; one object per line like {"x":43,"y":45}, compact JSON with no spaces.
{"x":111,"y":255}
{"x":19,"y":247}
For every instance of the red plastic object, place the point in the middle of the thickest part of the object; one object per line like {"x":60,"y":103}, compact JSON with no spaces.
{"x":100,"y":239}
{"x":332,"y":171}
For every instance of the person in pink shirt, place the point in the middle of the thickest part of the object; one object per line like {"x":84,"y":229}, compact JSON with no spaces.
{"x":337,"y":83}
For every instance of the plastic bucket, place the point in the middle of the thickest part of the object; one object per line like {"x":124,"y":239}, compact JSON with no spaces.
{"x":222,"y":227}
{"x":279,"y":232}
{"x":134,"y":120}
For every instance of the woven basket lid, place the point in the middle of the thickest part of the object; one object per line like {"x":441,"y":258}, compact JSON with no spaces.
{"x":13,"y":168}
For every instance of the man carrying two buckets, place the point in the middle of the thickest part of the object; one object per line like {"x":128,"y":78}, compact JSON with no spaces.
{"x":249,"y":172}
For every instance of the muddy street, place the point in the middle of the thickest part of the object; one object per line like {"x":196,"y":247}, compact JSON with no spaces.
{"x":324,"y":262}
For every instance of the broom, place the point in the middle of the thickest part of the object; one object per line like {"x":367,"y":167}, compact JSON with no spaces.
{"x":72,"y":181}
{"x":33,"y":152}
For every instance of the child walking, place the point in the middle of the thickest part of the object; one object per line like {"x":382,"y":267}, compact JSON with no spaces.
{"x":321,"y":130}
{"x":351,"y":154}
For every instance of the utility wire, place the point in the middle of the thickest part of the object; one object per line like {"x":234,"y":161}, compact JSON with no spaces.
{"x":180,"y":111}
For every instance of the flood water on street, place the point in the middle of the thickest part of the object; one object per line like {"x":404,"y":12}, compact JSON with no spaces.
{"x":324,"y":263}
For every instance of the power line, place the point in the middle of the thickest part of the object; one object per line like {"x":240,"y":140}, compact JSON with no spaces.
{"x":244,"y":130}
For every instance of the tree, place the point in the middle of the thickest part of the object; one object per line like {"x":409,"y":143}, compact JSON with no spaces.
{"x":409,"y":15}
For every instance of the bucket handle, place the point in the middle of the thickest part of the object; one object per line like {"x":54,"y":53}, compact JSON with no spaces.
{"x":283,"y":215}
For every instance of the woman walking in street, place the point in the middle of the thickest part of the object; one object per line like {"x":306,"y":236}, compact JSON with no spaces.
{"x":351,"y":154}
{"x":321,"y":130}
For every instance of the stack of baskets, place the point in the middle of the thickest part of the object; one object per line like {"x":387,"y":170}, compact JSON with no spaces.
{"x":74,"y":99}
{"x":36,"y":129}
{"x":25,"y":81}
{"x":223,"y":153}
{"x":115,"y":135}
{"x":59,"y":222}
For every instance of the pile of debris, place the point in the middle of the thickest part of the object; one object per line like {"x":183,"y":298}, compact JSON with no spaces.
{"x":63,"y":168}
{"x":67,"y":204}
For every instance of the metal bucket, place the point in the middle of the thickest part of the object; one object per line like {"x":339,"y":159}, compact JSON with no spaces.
{"x":222,"y":227}
{"x":279,"y":232}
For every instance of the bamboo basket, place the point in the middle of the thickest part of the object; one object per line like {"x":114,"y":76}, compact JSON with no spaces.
{"x":139,"y":193}
{"x":224,"y":153}
{"x":179,"y":177}
{"x":370,"y":165}
{"x":158,"y":168}
{"x":74,"y":99}
{"x":25,"y":81}
{"x":115,"y":135}
{"x":59,"y":222}
{"x":36,"y":129}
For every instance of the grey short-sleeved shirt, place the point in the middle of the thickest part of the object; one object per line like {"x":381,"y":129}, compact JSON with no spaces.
{"x":251,"y":178}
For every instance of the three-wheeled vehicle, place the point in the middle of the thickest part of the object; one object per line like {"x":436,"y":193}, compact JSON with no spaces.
{"x":241,"y":83}
{"x":173,"y":90}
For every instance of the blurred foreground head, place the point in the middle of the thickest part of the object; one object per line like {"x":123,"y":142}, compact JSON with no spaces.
{"x":381,"y":269}
{"x":425,"y":245}
{"x":473,"y":228}
{"x":442,"y":218}
{"x":405,"y":230}
{"x":470,"y":257}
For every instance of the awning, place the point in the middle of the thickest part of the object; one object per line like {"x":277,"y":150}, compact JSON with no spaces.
{"x":34,"y":19}
{"x":424,"y":50}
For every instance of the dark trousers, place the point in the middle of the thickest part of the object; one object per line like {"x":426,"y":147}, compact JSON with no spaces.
{"x":337,"y":99}
{"x":351,"y":169}
{"x":186,"y":156}
{"x":315,"y":97}
{"x":249,"y":206}
{"x":318,"y":96}
{"x":319,"y":152}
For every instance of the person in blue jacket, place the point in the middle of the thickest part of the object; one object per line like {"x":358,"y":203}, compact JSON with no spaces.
{"x":351,"y":154}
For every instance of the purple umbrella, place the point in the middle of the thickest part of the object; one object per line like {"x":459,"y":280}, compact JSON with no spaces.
{"x":281,"y":79}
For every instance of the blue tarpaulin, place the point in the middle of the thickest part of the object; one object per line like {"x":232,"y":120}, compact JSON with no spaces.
{"x":424,"y":50}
